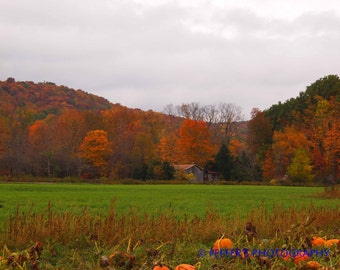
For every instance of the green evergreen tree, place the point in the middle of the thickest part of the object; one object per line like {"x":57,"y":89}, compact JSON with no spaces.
{"x":168,"y":171}
{"x":141,"y":172}
{"x":224,"y":161}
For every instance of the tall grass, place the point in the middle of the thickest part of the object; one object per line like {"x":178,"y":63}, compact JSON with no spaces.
{"x":145,"y":236}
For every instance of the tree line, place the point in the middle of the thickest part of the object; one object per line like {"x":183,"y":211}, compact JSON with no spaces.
{"x":297,"y":139}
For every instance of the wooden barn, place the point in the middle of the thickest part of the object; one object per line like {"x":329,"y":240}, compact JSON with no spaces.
{"x":194,"y":173}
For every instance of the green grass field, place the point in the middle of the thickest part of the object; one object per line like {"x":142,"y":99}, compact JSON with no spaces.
{"x":149,"y":234}
{"x":183,"y":199}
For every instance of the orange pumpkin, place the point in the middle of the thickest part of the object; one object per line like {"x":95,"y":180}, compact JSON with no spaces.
{"x":300,"y":257}
{"x":313,"y":265}
{"x":318,"y":241}
{"x":185,"y":267}
{"x":284,"y":255}
{"x":331,"y":242}
{"x":160,"y":267}
{"x":224,"y":243}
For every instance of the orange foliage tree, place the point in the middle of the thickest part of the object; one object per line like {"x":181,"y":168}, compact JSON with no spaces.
{"x":167,"y":146}
{"x":142,"y":150}
{"x":118,"y":122}
{"x":193,"y":144}
{"x":41,"y":138}
{"x":284,"y":146}
{"x":236,"y":147}
{"x":325,"y":134}
{"x":96,"y":150}
{"x":70,"y":130}
{"x":332,"y":149}
{"x":268,"y":165}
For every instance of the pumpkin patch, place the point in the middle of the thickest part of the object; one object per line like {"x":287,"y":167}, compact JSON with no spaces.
{"x":162,"y":242}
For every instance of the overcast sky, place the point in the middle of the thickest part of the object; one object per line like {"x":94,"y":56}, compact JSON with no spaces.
{"x":150,"y":53}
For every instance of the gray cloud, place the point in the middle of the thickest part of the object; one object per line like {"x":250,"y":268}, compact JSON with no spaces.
{"x":148,"y":54}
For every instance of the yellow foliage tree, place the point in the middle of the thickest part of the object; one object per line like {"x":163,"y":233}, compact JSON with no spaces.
{"x":300,"y":169}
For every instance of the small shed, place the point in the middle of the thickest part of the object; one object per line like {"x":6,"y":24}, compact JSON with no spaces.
{"x":210,"y":176}
{"x":194,"y":173}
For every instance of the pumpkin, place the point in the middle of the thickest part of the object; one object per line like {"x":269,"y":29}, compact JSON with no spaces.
{"x":223,"y":243}
{"x":331,"y":242}
{"x":313,"y":265}
{"x":318,"y":241}
{"x":160,"y":267}
{"x":300,"y":257}
{"x":284,"y":255}
{"x":185,"y":267}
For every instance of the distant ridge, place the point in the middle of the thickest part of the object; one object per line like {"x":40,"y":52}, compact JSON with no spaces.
{"x":45,"y":98}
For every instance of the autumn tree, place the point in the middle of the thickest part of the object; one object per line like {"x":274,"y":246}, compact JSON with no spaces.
{"x":193,"y":144}
{"x":332,"y":150}
{"x":42,"y":141}
{"x":284,"y":146}
{"x":300,"y":169}
{"x":236,"y":147}
{"x":318,"y":131}
{"x":259,"y":139}
{"x":18,"y":120}
{"x":148,"y":136}
{"x":142,"y":150}
{"x":260,"y":131}
{"x":70,"y":128}
{"x":167,"y":147}
{"x":221,"y":120}
{"x":119,"y":122}
{"x":96,"y":150}
{"x":325,"y":139}
{"x":268,"y":165}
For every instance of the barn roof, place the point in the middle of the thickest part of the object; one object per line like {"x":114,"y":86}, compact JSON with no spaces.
{"x":184,"y":167}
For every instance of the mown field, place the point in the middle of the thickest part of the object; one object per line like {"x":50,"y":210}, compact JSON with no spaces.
{"x":183,"y":199}
{"x":139,"y":226}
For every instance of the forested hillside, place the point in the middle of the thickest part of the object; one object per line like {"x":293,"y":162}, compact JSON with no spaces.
{"x":305,"y":142}
{"x":303,"y":107}
{"x":45,"y":98}
{"x":50,"y":130}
